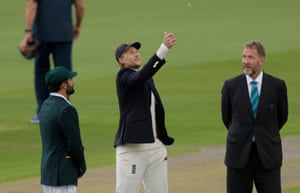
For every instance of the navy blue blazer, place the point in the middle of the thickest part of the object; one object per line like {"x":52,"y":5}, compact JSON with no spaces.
{"x":237,"y":116}
{"x":134,"y":95}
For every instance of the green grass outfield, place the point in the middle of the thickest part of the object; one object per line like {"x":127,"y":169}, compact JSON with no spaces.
{"x":293,"y":190}
{"x":210,"y":37}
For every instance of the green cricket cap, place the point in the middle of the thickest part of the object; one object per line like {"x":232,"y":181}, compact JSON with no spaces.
{"x":57,"y":75}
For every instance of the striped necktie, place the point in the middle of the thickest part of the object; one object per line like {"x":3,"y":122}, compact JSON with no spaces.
{"x":254,"y":97}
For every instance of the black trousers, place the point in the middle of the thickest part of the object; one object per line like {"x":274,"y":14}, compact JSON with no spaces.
{"x":242,"y":180}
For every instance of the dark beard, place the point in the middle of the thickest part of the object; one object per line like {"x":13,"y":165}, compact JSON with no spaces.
{"x":70,"y":91}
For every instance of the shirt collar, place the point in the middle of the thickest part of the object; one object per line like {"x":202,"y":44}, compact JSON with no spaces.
{"x":258,"y":78}
{"x":60,"y":95}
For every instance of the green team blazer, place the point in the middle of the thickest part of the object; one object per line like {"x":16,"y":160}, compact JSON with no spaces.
{"x":62,"y":150}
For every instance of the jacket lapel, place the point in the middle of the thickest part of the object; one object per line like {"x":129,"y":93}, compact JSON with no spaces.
{"x":153,"y":89}
{"x":245,"y":94}
{"x":264,"y":88}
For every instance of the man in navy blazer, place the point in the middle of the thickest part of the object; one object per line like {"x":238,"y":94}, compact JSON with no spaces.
{"x":141,"y":137}
{"x":254,"y":149}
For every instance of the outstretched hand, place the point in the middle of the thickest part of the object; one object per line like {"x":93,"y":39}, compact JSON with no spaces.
{"x":169,"y":40}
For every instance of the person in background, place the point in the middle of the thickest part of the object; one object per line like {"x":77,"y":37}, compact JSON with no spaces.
{"x":49,"y":23}
{"x":141,"y":139}
{"x":254,"y":109}
{"x":63,"y":159}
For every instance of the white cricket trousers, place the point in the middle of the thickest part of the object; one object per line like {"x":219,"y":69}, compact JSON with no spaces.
{"x":59,"y":189}
{"x":135,"y":166}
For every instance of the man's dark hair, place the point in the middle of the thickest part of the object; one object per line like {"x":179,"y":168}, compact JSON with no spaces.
{"x":55,"y":88}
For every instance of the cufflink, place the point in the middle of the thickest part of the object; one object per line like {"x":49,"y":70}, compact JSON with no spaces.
{"x":155,"y":64}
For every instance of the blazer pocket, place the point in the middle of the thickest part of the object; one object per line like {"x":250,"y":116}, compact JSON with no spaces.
{"x":231,"y":139}
{"x":276,"y":139}
{"x":67,"y":169}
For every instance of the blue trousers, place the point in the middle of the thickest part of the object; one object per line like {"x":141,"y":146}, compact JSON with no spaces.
{"x":61,"y":56}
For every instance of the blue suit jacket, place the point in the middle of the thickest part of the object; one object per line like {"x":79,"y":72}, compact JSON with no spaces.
{"x":272,"y":113}
{"x":134,"y":95}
